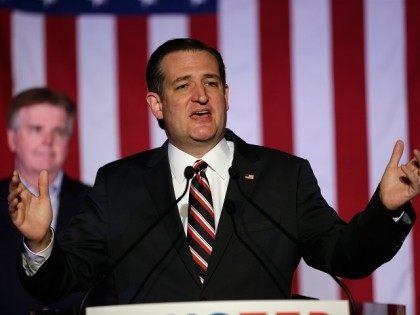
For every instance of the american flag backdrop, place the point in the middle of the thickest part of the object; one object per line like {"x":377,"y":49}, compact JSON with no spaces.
{"x":336,"y":82}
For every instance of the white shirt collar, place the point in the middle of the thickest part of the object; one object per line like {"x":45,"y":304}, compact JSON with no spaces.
{"x":219,"y":159}
{"x":54,"y":187}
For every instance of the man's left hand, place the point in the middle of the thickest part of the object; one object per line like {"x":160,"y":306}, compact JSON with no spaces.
{"x":400,"y":183}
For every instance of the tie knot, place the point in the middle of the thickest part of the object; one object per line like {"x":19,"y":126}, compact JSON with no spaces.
{"x":199,"y":166}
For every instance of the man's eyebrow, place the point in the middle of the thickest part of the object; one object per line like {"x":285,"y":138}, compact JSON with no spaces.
{"x":184,"y":78}
{"x":188,"y":77}
{"x":212,"y":76}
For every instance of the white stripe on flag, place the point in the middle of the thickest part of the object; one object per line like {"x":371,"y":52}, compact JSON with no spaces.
{"x":28,"y":50}
{"x":387,"y":121}
{"x":313,"y":113}
{"x":97,"y":84}
{"x":239,"y":46}
{"x":161,"y":28}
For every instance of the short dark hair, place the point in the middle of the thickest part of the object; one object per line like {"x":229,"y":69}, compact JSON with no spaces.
{"x":154,"y":72}
{"x":35,"y":96}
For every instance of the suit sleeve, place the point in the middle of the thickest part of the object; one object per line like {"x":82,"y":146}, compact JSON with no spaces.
{"x":353,"y":249}
{"x":79,"y":254}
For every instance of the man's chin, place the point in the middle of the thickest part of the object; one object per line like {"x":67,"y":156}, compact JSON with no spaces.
{"x":203,"y":137}
{"x":204,"y":133}
{"x":207,"y":142}
{"x":48,"y":167}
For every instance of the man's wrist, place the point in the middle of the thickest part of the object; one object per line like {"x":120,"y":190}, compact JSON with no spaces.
{"x":36,"y":247}
{"x":32,"y":261}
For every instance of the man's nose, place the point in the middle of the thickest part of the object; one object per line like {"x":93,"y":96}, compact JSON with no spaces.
{"x":48,"y":137}
{"x":200,"y":94}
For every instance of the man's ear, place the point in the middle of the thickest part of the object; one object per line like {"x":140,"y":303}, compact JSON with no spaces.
{"x":155,"y":104}
{"x":11,"y":139}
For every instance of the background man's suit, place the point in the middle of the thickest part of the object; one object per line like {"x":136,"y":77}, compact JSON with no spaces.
{"x":13,"y":297}
{"x":130,"y":194}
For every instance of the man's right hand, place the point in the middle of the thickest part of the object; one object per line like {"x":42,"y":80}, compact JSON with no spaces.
{"x":30,"y":214}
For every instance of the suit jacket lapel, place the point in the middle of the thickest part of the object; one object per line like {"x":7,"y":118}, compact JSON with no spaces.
{"x":161,"y":190}
{"x":160,"y":187}
{"x":244,"y":161}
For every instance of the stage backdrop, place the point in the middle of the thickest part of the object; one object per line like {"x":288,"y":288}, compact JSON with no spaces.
{"x":336,"y":82}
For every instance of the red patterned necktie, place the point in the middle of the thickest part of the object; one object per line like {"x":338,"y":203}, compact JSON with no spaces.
{"x":200,"y":231}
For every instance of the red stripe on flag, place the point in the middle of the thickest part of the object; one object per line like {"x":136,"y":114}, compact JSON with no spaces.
{"x":275,"y":74}
{"x":6,"y":157}
{"x":413,"y":94}
{"x":276,"y":98}
{"x":350,"y":118}
{"x":204,"y":27}
{"x":60,"y":56}
{"x":133,"y":109}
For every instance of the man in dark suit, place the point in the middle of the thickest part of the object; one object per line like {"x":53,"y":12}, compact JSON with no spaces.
{"x":252,"y":212}
{"x":39,"y":128}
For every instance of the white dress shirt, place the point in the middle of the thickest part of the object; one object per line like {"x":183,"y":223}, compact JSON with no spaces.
{"x":218,"y":159}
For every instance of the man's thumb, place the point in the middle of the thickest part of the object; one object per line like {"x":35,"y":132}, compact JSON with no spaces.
{"x":396,"y":154}
{"x":43,"y":184}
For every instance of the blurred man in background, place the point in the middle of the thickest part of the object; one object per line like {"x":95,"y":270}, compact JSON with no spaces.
{"x":40,"y":123}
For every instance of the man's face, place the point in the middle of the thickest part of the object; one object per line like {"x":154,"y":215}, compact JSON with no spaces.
{"x":40,"y":139}
{"x":194,"y":102}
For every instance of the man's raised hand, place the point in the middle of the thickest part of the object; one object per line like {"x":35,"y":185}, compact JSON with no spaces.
{"x":400,"y":183}
{"x":30,"y":214}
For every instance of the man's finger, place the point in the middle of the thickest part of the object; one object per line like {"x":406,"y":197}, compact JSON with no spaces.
{"x":13,"y":206}
{"x":397,"y":153}
{"x":411,"y":174}
{"x":14,"y":194}
{"x":14,"y":182}
{"x":417,"y":157}
{"x":18,"y":216}
{"x":43,"y":184}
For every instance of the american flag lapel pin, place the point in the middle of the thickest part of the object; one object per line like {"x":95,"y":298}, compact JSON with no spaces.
{"x":249,"y":176}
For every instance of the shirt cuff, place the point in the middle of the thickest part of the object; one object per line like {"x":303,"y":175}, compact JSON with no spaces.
{"x":31,"y":262}
{"x":398,"y":217}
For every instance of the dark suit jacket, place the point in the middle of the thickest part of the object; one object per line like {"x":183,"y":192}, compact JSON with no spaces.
{"x":255,"y":261}
{"x":13,"y":297}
